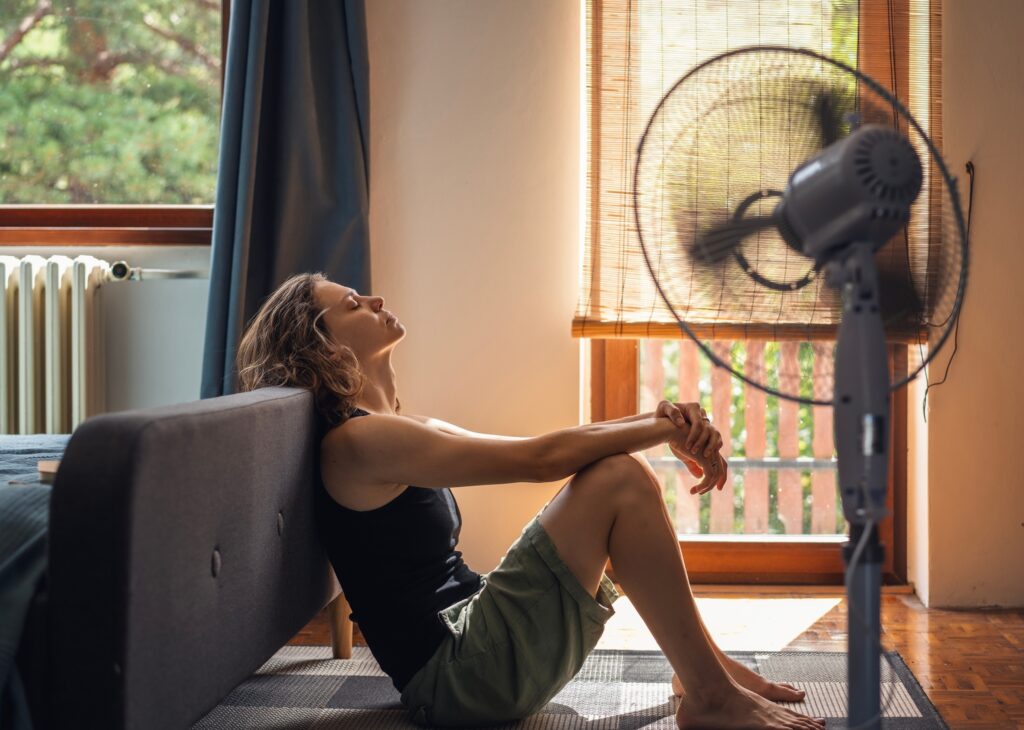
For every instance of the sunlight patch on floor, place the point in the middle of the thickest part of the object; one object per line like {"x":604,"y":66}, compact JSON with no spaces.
{"x":737,"y":624}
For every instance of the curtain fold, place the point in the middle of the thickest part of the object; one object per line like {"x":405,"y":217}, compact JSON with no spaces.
{"x":293,"y":174}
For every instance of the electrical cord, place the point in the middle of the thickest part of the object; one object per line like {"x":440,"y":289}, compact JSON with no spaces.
{"x":956,"y":330}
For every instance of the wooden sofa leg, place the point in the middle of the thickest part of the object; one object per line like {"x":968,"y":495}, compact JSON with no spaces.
{"x":341,"y":627}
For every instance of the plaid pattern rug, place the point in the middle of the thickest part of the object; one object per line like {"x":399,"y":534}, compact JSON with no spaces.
{"x":303,"y":687}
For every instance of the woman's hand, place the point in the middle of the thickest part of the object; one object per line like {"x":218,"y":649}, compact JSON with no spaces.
{"x":680,"y":412}
{"x":713,"y":468}
{"x":700,"y":451}
{"x":702,"y":437}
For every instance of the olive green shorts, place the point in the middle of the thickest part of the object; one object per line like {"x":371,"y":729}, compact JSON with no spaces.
{"x":513,"y":644}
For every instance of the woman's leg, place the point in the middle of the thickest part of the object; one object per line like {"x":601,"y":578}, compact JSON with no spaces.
{"x":607,"y":509}
{"x":778,"y":691}
{"x":613,"y":508}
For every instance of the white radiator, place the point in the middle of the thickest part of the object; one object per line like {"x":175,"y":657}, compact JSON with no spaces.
{"x":51,"y":342}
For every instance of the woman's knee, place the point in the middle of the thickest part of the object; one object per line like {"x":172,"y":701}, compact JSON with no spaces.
{"x":623,"y":475}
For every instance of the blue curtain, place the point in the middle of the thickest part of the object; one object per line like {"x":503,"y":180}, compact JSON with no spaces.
{"x":292,"y":186}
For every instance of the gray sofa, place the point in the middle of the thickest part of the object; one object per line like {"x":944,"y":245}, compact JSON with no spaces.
{"x":182,"y":554}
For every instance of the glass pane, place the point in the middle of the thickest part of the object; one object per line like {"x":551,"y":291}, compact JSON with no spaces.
{"x":109,"y":101}
{"x":781,"y":454}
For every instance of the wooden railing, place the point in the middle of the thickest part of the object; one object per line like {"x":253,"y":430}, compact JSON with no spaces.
{"x":781,"y":455}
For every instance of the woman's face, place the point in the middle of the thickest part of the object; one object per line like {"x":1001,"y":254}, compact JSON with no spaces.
{"x":361,"y":322}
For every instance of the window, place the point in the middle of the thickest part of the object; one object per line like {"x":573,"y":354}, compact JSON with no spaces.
{"x":779,"y":518}
{"x":113,"y":104}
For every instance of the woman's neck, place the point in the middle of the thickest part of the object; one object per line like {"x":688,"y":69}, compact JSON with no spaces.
{"x":380,"y":388}
{"x":375,"y":400}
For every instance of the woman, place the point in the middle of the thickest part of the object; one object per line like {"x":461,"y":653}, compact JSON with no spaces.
{"x":467,"y":649}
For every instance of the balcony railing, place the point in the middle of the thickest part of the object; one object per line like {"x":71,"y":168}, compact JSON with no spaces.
{"x":781,"y":454}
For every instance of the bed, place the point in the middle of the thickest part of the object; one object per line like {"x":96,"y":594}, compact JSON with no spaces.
{"x":180,"y":537}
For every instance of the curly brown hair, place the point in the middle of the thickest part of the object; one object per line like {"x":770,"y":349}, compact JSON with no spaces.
{"x":287,"y":344}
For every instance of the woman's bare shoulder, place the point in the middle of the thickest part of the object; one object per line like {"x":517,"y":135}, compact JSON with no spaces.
{"x":364,"y":494}
{"x":338,"y":435}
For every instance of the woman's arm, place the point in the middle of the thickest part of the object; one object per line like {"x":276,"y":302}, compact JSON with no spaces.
{"x":570,"y":449}
{"x":459,"y":431}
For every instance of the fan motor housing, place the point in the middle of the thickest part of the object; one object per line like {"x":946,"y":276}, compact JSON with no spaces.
{"x":857,"y":189}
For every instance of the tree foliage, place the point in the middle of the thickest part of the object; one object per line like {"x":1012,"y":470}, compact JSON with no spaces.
{"x":109,"y":101}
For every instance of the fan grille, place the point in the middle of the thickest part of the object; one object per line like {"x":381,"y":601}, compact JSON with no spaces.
{"x":742,"y":122}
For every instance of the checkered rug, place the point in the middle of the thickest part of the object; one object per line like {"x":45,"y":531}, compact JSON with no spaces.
{"x":302,"y":687}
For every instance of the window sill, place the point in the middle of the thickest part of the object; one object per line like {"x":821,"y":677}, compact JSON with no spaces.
{"x":100,"y":225}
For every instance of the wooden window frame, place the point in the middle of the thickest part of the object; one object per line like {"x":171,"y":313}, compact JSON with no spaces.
{"x":614,"y":373}
{"x":114,"y":225}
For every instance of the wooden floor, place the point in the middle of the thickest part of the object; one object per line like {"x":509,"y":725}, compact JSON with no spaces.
{"x":970,"y":663}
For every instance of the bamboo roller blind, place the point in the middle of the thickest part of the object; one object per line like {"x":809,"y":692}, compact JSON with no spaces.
{"x":636,"y":51}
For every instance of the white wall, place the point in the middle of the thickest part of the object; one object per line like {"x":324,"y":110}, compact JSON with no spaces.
{"x":975,"y":422}
{"x":917,"y":489}
{"x":474,"y":186}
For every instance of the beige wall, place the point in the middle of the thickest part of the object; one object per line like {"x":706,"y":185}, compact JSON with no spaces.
{"x":474,"y":188}
{"x":975,"y":459}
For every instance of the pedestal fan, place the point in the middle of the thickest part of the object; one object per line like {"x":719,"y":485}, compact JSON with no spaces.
{"x":760,"y":169}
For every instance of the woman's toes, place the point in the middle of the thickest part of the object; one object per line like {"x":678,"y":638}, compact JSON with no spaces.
{"x":783,"y":692}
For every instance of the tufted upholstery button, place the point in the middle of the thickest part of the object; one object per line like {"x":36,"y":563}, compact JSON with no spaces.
{"x":280,"y":523}
{"x":215,"y":563}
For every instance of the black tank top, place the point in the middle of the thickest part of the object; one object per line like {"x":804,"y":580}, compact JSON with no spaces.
{"x":398,"y":567}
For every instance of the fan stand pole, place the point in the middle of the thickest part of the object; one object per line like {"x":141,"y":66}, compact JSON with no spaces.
{"x":860,"y":412}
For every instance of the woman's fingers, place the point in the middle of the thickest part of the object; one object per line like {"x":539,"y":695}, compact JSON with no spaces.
{"x":710,"y":478}
{"x":714,"y":445}
{"x":691,"y":411}
{"x":701,"y":443}
{"x":701,"y":449}
{"x":706,"y":483}
{"x":670,"y":411}
{"x":692,"y":437}
{"x":717,"y":472}
{"x":714,"y":471}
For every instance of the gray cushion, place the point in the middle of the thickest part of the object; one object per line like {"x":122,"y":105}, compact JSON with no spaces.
{"x":183,"y":554}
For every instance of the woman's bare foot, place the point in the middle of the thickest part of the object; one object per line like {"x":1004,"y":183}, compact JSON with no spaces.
{"x":740,"y":708}
{"x":749,"y":679}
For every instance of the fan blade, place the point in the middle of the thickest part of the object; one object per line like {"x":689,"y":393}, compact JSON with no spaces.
{"x":827,"y":107}
{"x":718,"y":243}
